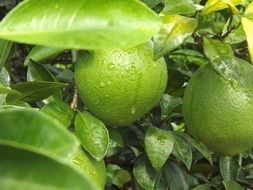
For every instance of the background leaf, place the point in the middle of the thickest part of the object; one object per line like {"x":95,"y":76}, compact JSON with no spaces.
{"x":64,"y":24}
{"x":232,"y":185}
{"x":93,"y":134}
{"x":175,"y":30}
{"x":5,"y":48}
{"x":60,"y":112}
{"x":229,"y":167}
{"x":41,"y":53}
{"x":35,"y":90}
{"x":144,"y":173}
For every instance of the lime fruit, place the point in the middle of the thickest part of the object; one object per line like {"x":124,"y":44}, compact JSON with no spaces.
{"x":218,"y":112}
{"x":120,"y":86}
{"x":95,"y":170}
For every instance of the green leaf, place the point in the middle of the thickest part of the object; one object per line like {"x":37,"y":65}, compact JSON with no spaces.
{"x":34,"y":131}
{"x":216,"y":5}
{"x":115,"y":138}
{"x":37,"y":72}
{"x":181,"y":7}
{"x":117,"y":176}
{"x":158,"y":146}
{"x":229,"y":167}
{"x":222,"y":58}
{"x":41,"y":53}
{"x":35,"y":90}
{"x":203,"y":187}
{"x":93,"y":134}
{"x":23,"y":170}
{"x":96,"y":24}
{"x":199,"y":146}
{"x":5,"y":48}
{"x":144,"y":173}
{"x":92,"y":168}
{"x":182,"y":150}
{"x":247,"y":23}
{"x":232,"y":185}
{"x":7,"y":90}
{"x":236,"y":36}
{"x":175,"y":30}
{"x":60,"y":111}
{"x":168,"y":103}
{"x":175,"y":177}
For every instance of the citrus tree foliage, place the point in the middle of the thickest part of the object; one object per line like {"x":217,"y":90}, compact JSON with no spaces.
{"x":48,"y":137}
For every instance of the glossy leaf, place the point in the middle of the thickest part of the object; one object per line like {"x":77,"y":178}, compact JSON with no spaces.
{"x":115,"y":138}
{"x":41,"y":53}
{"x":236,"y":36}
{"x":175,"y":177}
{"x":232,"y":185}
{"x":31,"y":130}
{"x":23,"y":170}
{"x":37,"y":72}
{"x":168,"y":103}
{"x":181,"y":7}
{"x":144,"y":173}
{"x":216,"y":5}
{"x":229,"y":167}
{"x":158,"y":146}
{"x":247,"y":23}
{"x":92,"y":168}
{"x":7,"y":90}
{"x":93,"y":134}
{"x":222,"y":58}
{"x":203,"y":187}
{"x":96,"y":24}
{"x":175,"y":30}
{"x":182,"y":151}
{"x":117,"y":176}
{"x":35,"y":90}
{"x":60,"y":111}
{"x":5,"y":47}
{"x":199,"y":146}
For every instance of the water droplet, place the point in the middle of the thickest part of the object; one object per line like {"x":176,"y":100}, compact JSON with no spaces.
{"x":102,"y":84}
{"x":133,"y":110}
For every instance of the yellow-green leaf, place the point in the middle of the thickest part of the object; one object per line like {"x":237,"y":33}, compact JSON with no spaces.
{"x":247,"y":23}
{"x":216,"y":5}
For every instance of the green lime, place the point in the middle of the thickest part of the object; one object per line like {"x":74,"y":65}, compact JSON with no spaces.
{"x":218,"y":111}
{"x":120,"y":86}
{"x":92,"y":168}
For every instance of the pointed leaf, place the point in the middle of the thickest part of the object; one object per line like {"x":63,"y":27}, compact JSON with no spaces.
{"x":93,"y":134}
{"x":23,"y":170}
{"x":59,"y":111}
{"x":229,"y":167}
{"x":175,"y":176}
{"x":158,"y":146}
{"x":168,"y":103}
{"x":175,"y":30}
{"x":34,"y":131}
{"x":247,"y":23}
{"x":5,"y":47}
{"x":96,"y":24}
{"x":182,"y":151}
{"x":41,"y":53}
{"x":144,"y":173}
{"x":35,"y":90}
{"x":117,"y":176}
{"x":216,"y":5}
{"x":232,"y":185}
{"x":181,"y":7}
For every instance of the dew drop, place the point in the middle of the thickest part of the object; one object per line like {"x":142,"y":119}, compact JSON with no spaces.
{"x":133,"y":110}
